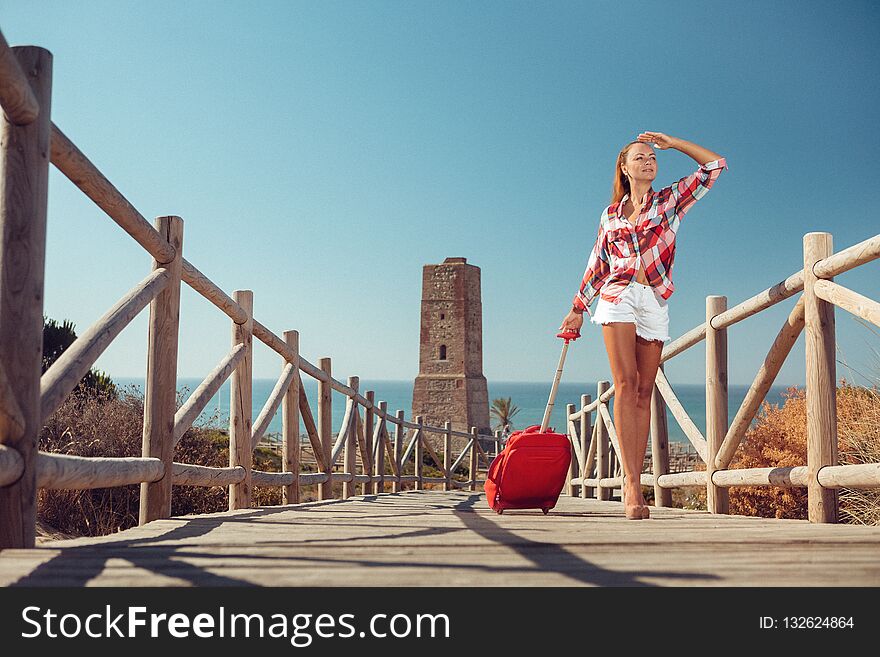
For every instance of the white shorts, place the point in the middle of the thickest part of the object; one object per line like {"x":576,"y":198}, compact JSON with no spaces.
{"x":639,"y":305}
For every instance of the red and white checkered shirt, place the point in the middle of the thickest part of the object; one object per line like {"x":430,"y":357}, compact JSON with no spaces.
{"x":613,"y":263}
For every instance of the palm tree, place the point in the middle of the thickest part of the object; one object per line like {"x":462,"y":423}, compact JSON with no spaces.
{"x":503,"y":410}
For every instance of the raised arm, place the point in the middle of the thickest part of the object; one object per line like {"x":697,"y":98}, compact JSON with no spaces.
{"x":700,"y":154}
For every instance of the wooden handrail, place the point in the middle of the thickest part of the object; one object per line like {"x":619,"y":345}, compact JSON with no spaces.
{"x":213,"y":293}
{"x":206,"y":390}
{"x":773,"y":362}
{"x":70,"y":161}
{"x":11,"y":465}
{"x":849,"y":258}
{"x":814,"y":309}
{"x":344,"y":429}
{"x":65,"y":373}
{"x":853,"y":302}
{"x":185,"y":474}
{"x":761,"y":301}
{"x":684,"y":420}
{"x":16,"y":96}
{"x":457,"y":462}
{"x":272,"y":404}
{"x":64,"y":471}
{"x":785,"y":477}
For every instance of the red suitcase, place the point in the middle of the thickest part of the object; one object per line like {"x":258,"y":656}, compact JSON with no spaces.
{"x":531,"y":470}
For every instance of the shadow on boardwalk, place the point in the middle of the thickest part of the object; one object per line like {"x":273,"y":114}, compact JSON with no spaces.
{"x":321,"y":541}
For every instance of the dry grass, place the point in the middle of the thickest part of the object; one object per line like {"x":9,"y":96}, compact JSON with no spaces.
{"x":95,"y":424}
{"x":779,"y":439}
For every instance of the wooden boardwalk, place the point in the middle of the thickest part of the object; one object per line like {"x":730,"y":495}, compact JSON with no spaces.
{"x":429,"y":538}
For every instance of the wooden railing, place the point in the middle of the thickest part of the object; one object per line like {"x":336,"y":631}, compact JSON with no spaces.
{"x":595,"y":466}
{"x":27,"y":399}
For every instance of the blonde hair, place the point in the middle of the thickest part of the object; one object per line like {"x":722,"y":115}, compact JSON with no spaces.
{"x":620,"y":186}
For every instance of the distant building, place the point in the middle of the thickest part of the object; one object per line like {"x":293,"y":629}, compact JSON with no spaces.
{"x":450,"y":384}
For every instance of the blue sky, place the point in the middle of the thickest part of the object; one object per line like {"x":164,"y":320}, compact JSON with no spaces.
{"x":321,"y":153}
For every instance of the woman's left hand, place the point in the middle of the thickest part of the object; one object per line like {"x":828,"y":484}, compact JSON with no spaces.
{"x":657,"y":138}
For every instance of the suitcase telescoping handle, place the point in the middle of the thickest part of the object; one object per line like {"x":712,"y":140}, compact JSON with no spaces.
{"x":567,"y":336}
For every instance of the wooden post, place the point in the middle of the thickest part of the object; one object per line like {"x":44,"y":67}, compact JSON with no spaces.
{"x":380,"y":449}
{"x":586,"y":434}
{"x":603,"y":444}
{"x":368,"y":467}
{"x":717,"y":497}
{"x":573,"y":466}
{"x":325,"y":427}
{"x":417,"y":453}
{"x":160,"y":394}
{"x":350,"y":453}
{"x":290,"y":425}
{"x":821,"y":383}
{"x":659,"y":447}
{"x":474,"y":461}
{"x":24,"y":166}
{"x":399,"y":434}
{"x":241,"y":404}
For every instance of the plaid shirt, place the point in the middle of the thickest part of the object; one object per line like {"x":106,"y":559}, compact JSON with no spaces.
{"x":613,"y":263}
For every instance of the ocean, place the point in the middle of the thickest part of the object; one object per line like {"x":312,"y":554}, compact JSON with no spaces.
{"x":530,"y":398}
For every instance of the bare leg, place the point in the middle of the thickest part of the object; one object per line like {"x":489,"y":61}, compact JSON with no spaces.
{"x":648,"y":354}
{"x":634,"y":362}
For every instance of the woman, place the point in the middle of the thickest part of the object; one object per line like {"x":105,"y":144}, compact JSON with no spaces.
{"x":630,"y":270}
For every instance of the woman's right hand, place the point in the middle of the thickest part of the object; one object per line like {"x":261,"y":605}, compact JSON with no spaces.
{"x":573,"y":321}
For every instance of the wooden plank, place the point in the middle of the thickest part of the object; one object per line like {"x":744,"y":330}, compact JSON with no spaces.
{"x":160,"y":395}
{"x":24,"y":180}
{"x":582,"y":542}
{"x":821,"y":379}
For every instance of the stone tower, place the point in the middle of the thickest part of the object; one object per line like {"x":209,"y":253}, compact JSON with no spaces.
{"x":450,"y":384}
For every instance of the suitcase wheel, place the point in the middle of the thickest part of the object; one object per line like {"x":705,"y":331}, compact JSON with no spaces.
{"x":499,"y":511}
{"x":546,"y":511}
